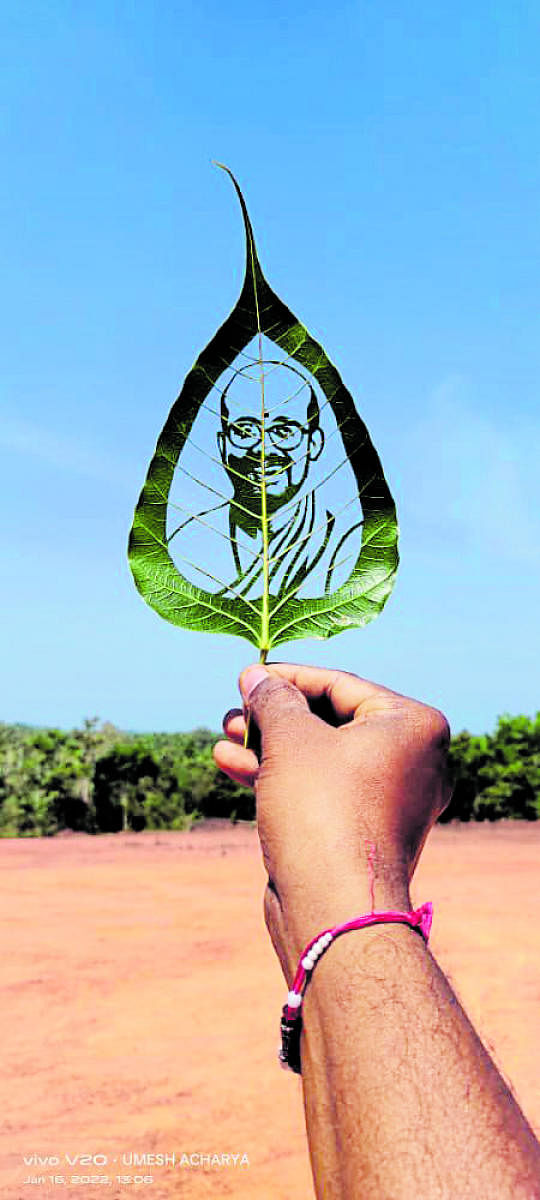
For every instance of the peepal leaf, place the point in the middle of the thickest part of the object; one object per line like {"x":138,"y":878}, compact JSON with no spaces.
{"x":264,"y":516}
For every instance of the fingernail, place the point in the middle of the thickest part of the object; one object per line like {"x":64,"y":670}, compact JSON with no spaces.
{"x":251,"y":678}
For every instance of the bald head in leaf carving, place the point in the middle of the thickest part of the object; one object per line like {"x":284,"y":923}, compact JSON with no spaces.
{"x":291,"y":444}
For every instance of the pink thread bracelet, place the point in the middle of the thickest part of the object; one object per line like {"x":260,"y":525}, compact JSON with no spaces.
{"x":291,"y":1017}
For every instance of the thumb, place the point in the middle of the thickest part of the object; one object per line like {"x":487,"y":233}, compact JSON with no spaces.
{"x":277,"y":706}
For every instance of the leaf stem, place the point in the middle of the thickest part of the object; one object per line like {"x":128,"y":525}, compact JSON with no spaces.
{"x":262,"y":659}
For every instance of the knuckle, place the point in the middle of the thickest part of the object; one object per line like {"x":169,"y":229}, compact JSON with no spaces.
{"x":430,"y":725}
{"x":441,"y":727}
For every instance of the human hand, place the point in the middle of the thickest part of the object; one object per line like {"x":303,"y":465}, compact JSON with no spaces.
{"x":344,"y":765}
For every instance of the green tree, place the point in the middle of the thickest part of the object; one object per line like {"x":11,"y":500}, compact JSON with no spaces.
{"x":497,"y":775}
{"x":98,"y":779}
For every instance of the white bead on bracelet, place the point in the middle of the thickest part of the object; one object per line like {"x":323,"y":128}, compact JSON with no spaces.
{"x":318,"y":947}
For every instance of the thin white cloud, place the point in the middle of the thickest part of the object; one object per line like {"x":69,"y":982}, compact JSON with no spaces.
{"x":472,"y":476}
{"x":62,"y":451}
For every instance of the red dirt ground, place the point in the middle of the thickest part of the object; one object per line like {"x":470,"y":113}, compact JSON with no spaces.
{"x":142,"y":1000}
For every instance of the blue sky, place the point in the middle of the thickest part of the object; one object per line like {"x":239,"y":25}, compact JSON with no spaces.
{"x":389,"y":155}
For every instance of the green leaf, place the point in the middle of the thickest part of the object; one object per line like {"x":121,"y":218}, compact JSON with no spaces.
{"x":264,"y":516}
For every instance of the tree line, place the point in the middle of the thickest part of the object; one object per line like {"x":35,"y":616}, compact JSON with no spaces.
{"x":97,"y":779}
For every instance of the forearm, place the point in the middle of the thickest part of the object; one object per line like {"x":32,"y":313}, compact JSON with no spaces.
{"x":401,"y":1098}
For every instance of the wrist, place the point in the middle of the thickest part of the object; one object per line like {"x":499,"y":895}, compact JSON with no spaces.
{"x":307,"y":910}
{"x":417,"y":922}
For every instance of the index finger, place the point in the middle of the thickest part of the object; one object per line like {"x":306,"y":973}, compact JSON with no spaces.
{"x":349,"y":696}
